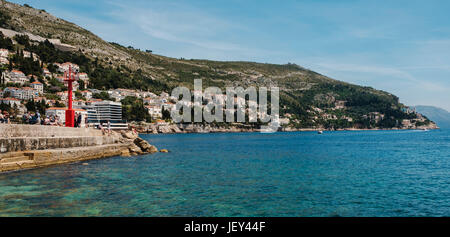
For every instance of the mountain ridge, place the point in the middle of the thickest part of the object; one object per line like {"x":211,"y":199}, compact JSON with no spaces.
{"x":308,"y":98}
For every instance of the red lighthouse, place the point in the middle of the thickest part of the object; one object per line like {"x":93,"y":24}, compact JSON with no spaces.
{"x":69,"y":76}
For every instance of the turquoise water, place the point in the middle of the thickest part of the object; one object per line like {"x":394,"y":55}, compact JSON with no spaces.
{"x":360,"y":173}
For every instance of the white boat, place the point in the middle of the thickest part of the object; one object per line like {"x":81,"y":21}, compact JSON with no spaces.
{"x":320,"y":132}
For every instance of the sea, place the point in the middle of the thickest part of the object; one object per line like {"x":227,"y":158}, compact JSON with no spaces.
{"x":286,"y":174}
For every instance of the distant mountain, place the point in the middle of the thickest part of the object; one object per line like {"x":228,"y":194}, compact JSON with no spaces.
{"x":438,"y":115}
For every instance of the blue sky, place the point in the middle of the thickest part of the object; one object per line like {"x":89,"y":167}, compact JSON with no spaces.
{"x":402,"y":47}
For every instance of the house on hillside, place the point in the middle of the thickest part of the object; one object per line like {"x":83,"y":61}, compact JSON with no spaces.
{"x":16,"y":76}
{"x":65,"y":67}
{"x":86,"y":94}
{"x":84,"y":77}
{"x":4,"y":56}
{"x":4,"y":53}
{"x":155,"y":111}
{"x":46,"y":72}
{"x":39,"y":87}
{"x":340,"y":104}
{"x":29,"y":93}
{"x":10,"y":101}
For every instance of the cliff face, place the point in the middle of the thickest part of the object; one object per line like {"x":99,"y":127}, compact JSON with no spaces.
{"x":308,"y":99}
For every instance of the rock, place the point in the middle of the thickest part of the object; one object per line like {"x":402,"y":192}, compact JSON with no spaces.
{"x":164,"y":151}
{"x":145,"y":146}
{"x":125,"y":152}
{"x":128,"y":135}
{"x":134,"y":149}
{"x":153,"y":149}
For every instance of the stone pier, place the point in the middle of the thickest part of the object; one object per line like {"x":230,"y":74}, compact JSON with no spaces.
{"x":33,"y":146}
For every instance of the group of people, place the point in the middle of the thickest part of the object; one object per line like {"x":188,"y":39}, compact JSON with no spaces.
{"x":52,"y":120}
{"x":30,"y":118}
{"x":78,"y":119}
{"x":4,"y":116}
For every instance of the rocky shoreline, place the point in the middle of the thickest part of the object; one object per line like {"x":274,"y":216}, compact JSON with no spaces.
{"x":151,"y":128}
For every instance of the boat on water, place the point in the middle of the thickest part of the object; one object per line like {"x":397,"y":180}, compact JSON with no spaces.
{"x":320,"y":132}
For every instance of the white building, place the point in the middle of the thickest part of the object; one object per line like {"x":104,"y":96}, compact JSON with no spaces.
{"x":46,"y":72}
{"x":169,"y":106}
{"x":28,"y":93}
{"x":75,"y":85}
{"x":103,"y":112}
{"x":25,"y":93}
{"x":155,"y":111}
{"x":4,"y":56}
{"x":84,"y":77}
{"x":4,"y":53}
{"x":39,"y":87}
{"x":10,"y":101}
{"x":16,"y":76}
{"x":4,"y":60}
{"x":65,"y":67}
{"x":86,"y":94}
{"x":63,"y":95}
{"x":27,"y":54}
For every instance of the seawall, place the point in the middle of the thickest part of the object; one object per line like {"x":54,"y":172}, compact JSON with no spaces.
{"x":34,"y":146}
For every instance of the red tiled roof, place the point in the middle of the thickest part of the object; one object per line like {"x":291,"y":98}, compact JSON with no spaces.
{"x":17,"y":71}
{"x":9,"y":98}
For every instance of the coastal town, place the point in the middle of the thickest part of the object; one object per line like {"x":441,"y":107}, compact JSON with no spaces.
{"x":33,"y":90}
{"x":18,"y":90}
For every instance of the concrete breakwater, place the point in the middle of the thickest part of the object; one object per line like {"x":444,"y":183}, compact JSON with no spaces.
{"x":33,"y":146}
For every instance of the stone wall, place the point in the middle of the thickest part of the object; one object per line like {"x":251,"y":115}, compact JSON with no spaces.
{"x":13,"y":161}
{"x":33,"y":146}
{"x":17,"y":137}
{"x":41,"y":143}
{"x":19,"y":130}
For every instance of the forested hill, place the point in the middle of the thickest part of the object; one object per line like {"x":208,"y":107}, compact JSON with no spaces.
{"x":308,"y":99}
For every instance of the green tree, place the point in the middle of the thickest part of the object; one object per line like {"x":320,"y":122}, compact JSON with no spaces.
{"x":133,"y":110}
{"x":165,"y":114}
{"x":102,"y":95}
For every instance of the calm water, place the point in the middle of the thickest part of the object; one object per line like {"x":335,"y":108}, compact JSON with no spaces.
{"x":373,"y":173}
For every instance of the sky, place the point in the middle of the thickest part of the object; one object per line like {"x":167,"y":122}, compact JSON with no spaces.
{"x":402,"y":47}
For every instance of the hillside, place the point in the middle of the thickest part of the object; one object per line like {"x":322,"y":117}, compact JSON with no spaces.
{"x":440,"y":116}
{"x":308,"y":99}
